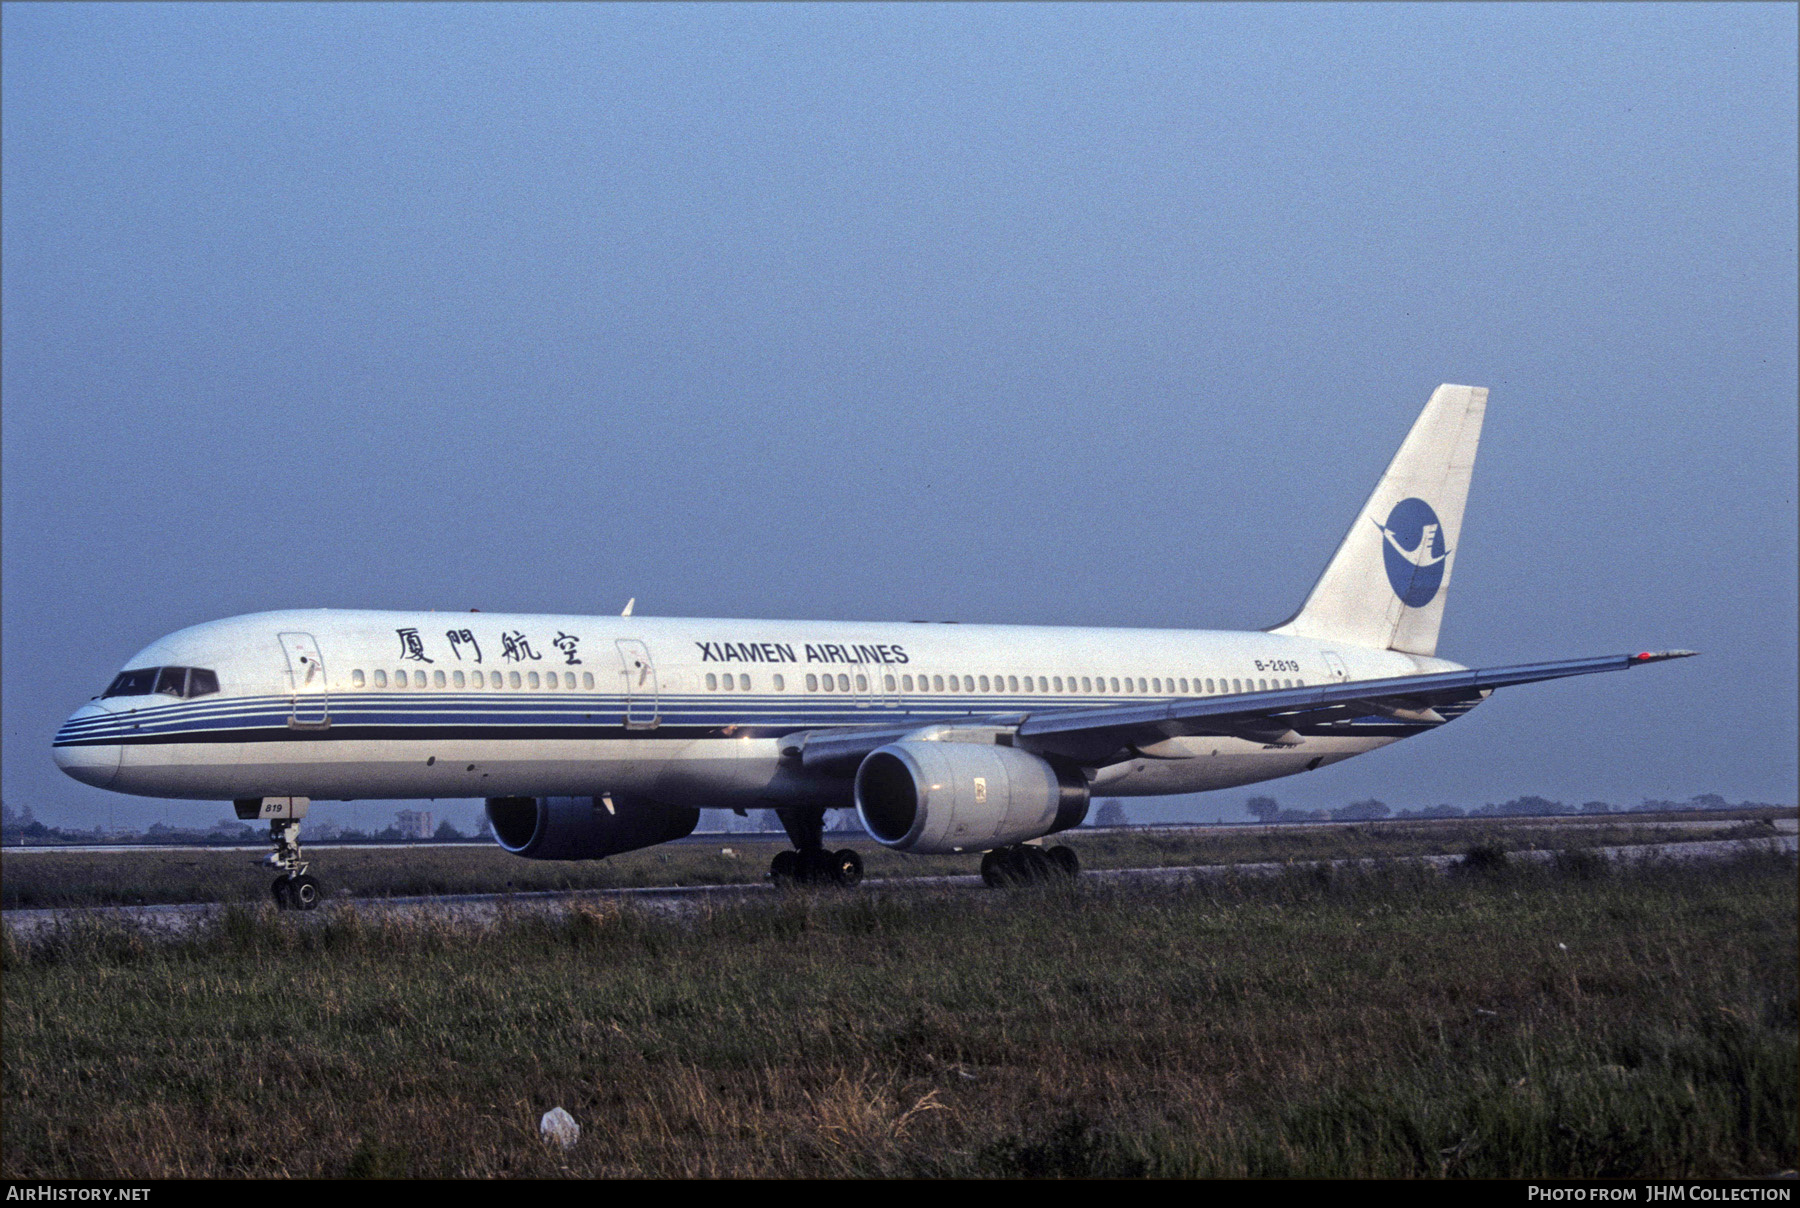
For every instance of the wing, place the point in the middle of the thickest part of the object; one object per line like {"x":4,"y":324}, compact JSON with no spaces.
{"x":1102,"y":734}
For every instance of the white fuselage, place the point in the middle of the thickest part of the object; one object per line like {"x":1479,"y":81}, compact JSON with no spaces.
{"x":354,"y":704}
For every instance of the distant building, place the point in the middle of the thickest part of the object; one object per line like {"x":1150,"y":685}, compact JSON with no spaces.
{"x":414,"y":824}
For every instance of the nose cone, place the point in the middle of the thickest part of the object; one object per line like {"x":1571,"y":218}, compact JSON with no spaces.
{"x":81,"y":748}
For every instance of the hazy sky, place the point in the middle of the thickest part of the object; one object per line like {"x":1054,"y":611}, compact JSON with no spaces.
{"x":1064,"y":315}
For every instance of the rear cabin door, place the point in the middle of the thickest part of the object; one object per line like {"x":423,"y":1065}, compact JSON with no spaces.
{"x":306,"y":682}
{"x":1336,"y":666}
{"x":639,"y":674}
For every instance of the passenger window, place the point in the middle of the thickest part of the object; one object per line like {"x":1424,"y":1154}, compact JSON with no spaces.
{"x":479,"y":680}
{"x":381,"y":679}
{"x":843,"y":683}
{"x":889,"y":681}
{"x":780,"y":683}
{"x":1012,"y":683}
{"x":531,"y":678}
{"x":512,"y":678}
{"x":437,"y":679}
{"x":744,"y":682}
{"x":983,"y":681}
{"x":829,"y":684}
{"x":712,"y":682}
{"x":587,"y":681}
{"x":399,"y":679}
{"x":906,"y":683}
{"x":462,"y":681}
{"x":937,"y":683}
{"x":812,"y":682}
{"x":862,"y":683}
{"x":356,"y":678}
{"x":1262,"y":685}
{"x":418,"y":679}
{"x":1156,"y":684}
{"x":1209,"y":686}
{"x":955,"y":684}
{"x":1184,"y":685}
{"x":1056,"y":681}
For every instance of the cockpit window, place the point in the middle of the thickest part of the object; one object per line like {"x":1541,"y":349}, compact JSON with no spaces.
{"x":166,"y":681}
{"x":133,"y":683}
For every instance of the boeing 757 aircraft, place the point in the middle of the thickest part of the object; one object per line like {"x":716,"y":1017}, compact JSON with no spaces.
{"x":590,"y":736}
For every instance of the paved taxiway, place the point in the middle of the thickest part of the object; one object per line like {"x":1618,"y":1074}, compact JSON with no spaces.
{"x":482,"y":908}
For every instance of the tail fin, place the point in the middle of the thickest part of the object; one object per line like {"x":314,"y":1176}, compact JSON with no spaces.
{"x":1385,"y":587}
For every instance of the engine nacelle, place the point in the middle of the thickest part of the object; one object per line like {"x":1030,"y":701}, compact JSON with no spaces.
{"x":951,"y":796}
{"x":585,"y":828}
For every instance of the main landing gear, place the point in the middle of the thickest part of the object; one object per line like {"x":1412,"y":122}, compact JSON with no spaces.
{"x":1029,"y":865}
{"x":810,"y":863}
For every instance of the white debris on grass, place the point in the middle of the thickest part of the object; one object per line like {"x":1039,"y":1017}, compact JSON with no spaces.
{"x":559,"y":1128}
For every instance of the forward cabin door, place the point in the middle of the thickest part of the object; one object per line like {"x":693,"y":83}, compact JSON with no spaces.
{"x":641,"y":703}
{"x":306,"y":682}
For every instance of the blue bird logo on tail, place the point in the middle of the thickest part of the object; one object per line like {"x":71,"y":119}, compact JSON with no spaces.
{"x":1413,"y":551}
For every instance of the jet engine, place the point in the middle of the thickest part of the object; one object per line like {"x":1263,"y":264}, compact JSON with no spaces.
{"x":585,"y":828}
{"x":956,"y":796}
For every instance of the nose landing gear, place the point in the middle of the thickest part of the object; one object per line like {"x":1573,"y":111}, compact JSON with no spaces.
{"x":293,"y":889}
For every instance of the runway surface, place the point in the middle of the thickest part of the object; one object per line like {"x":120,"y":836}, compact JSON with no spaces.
{"x":478,"y":909}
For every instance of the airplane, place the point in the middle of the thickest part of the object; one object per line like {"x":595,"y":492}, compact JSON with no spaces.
{"x":589,"y":736}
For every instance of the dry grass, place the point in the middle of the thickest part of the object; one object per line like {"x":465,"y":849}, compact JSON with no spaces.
{"x":1572,"y":1022}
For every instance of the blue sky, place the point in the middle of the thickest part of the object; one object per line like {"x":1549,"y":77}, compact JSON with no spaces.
{"x":1028,"y":313}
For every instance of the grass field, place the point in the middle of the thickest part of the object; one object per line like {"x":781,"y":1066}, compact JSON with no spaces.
{"x":1564,"y":1020}
{"x":35,"y":879}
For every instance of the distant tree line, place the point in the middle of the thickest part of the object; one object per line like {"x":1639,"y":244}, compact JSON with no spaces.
{"x":19,"y":828}
{"x":1267,"y":809}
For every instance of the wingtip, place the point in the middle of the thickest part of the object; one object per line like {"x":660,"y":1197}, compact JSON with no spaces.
{"x":1658,"y":656}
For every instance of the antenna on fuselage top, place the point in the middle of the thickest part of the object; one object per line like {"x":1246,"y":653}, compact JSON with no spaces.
{"x":629,"y":605}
